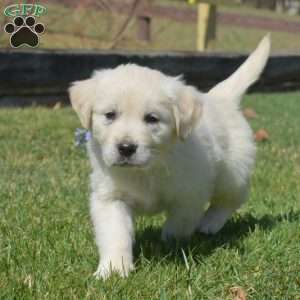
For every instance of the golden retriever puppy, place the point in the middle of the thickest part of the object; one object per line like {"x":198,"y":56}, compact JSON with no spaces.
{"x":160,"y":145}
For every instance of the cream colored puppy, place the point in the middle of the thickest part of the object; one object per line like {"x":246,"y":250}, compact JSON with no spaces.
{"x":160,"y":145}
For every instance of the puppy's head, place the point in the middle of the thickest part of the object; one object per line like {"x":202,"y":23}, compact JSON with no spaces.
{"x":135,"y":113}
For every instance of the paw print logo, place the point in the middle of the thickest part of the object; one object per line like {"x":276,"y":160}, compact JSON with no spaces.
{"x":24,"y":31}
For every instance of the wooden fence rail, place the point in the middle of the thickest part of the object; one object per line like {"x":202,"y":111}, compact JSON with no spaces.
{"x":45,"y":73}
{"x":189,"y":15}
{"x":207,"y":18}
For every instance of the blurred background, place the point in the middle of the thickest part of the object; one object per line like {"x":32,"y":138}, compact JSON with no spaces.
{"x":233,"y":25}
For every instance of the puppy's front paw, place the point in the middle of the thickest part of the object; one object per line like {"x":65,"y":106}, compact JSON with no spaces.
{"x":213,"y":220}
{"x":173,"y":233}
{"x":209,"y":226}
{"x":167,"y":234}
{"x":107,"y":267}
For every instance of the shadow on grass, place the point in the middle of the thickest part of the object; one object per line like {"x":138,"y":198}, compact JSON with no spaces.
{"x":149,"y":244}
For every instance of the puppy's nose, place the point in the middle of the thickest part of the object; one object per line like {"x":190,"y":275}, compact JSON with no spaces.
{"x":127,"y":149}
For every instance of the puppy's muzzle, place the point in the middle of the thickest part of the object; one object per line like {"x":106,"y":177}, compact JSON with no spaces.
{"x":126,"y":149}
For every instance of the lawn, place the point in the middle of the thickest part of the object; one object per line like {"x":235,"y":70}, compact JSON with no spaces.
{"x":47,"y":249}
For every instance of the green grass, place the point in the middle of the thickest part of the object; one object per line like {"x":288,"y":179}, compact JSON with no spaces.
{"x":47,"y":249}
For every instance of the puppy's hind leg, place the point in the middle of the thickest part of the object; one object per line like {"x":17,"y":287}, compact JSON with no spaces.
{"x":220,"y":210}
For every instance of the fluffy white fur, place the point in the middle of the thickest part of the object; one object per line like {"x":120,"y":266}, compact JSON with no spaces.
{"x":197,"y":153}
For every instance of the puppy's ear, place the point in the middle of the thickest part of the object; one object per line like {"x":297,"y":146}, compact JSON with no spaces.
{"x":187,"y":111}
{"x":82,"y":95}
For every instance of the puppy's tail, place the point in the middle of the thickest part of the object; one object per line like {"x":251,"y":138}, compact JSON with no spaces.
{"x":236,"y":85}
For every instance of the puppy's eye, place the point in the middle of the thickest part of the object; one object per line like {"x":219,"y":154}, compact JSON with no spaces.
{"x":151,"y":119}
{"x":111,"y":115}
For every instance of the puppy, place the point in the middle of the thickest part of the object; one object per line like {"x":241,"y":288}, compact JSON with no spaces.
{"x":160,"y":145}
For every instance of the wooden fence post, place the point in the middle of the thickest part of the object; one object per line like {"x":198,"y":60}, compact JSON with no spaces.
{"x":143,"y":23}
{"x":144,"y":28}
{"x":206,"y":25}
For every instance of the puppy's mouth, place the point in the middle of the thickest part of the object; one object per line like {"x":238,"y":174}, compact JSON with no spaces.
{"x":127,"y":163}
